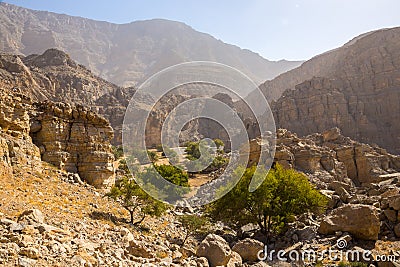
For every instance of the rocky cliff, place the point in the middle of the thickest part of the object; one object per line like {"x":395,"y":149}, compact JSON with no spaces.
{"x":71,"y":137}
{"x":55,"y":76}
{"x":124,"y":53}
{"x":74,"y":139}
{"x":355,"y":88}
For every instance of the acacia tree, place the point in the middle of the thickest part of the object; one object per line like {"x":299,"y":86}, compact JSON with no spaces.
{"x":133,"y":198}
{"x":193,"y":224}
{"x":283,"y":194}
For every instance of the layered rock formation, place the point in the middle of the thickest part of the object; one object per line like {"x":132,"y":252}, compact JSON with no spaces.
{"x":76,"y":140}
{"x":72,"y":138}
{"x":125,"y":53}
{"x":341,"y":158}
{"x":355,"y":88}
{"x":16,"y":147}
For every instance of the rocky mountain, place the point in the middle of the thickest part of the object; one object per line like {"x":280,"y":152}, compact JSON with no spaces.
{"x":355,"y":87}
{"x":369,"y":57}
{"x":125,"y":54}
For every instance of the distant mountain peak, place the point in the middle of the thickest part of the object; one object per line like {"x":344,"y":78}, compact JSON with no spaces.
{"x":51,"y":57}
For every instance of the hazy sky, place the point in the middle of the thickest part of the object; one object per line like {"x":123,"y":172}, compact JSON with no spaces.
{"x":280,"y":29}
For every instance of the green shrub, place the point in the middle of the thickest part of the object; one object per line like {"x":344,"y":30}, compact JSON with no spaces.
{"x":283,"y":194}
{"x":118,"y":151}
{"x":193,"y":224}
{"x":152,"y":156}
{"x":193,"y":150}
{"x":171,"y":174}
{"x":129,"y":194}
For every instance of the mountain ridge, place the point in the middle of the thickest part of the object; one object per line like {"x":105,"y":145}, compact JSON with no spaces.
{"x":125,"y":54}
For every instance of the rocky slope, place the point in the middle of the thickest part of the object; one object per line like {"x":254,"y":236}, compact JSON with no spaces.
{"x":124,"y":53}
{"x":355,"y":88}
{"x":360,"y":181}
{"x":45,"y":221}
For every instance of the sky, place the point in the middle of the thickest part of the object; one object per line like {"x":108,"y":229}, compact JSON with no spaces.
{"x":279,"y":29}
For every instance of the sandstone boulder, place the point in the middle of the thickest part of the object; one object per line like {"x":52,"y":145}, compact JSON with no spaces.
{"x":31,"y":216}
{"x":248,"y":249}
{"x":215,"y":249}
{"x":394,"y":202}
{"x":140,"y":249}
{"x":235,"y":260}
{"x":359,"y":220}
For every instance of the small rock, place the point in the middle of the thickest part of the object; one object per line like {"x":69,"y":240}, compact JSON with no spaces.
{"x":30,"y":252}
{"x":31,"y":216}
{"x":25,"y":240}
{"x":139,"y":249}
{"x":24,"y":262}
{"x":177,"y":254}
{"x":202,"y":262}
{"x":306,"y":233}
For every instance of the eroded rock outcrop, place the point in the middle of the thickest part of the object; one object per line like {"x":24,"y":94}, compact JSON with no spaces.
{"x":54,"y":76}
{"x":75,"y":139}
{"x":341,"y":158}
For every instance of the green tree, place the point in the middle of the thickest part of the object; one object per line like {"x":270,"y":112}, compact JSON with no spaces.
{"x":172,"y":155}
{"x":172,"y":174}
{"x":193,"y":151}
{"x":132,"y":198}
{"x":193,"y":224}
{"x":283,"y":194}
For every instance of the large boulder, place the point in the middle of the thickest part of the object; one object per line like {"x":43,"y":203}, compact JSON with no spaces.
{"x":248,"y":249}
{"x":360,"y":220}
{"x":140,"y":249}
{"x":235,"y":260}
{"x":215,"y":249}
{"x":394,"y":202}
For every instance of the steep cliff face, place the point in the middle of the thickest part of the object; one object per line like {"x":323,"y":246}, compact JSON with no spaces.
{"x":367,"y":60}
{"x":369,"y":116}
{"x":359,"y":93}
{"x":70,"y":137}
